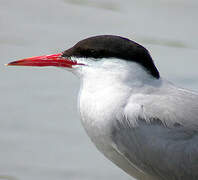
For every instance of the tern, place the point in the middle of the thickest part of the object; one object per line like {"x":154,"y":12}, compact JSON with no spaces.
{"x":143,"y":123}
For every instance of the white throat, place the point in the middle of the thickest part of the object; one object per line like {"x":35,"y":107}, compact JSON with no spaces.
{"x":105,"y":87}
{"x":109,"y":72}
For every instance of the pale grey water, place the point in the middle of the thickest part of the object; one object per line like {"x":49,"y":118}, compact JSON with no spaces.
{"x":41,"y":137}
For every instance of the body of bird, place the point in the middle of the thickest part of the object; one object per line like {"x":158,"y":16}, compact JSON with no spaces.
{"x":144,"y":124}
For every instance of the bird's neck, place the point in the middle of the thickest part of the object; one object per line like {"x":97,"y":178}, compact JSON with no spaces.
{"x":103,"y":91}
{"x":104,"y":95}
{"x":132,"y":77}
{"x":99,"y":99}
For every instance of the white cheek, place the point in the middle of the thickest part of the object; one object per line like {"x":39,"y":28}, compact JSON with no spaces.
{"x":86,"y":61}
{"x":111,"y":69}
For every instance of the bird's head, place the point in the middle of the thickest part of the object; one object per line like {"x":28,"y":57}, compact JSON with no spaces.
{"x":98,"y":54}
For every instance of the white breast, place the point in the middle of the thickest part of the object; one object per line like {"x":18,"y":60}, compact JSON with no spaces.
{"x":99,"y":108}
{"x":99,"y":111}
{"x":103,"y":97}
{"x":105,"y":90}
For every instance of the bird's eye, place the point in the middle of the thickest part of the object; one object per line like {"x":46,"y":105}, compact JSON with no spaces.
{"x":88,"y":52}
{"x":92,"y":51}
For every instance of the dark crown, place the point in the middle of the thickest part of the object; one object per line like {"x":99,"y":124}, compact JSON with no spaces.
{"x":110,"y":46}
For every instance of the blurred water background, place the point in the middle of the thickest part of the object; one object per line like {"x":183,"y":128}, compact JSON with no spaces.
{"x":41,"y":137}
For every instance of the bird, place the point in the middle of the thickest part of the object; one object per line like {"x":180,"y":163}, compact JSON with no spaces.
{"x":143,"y":123}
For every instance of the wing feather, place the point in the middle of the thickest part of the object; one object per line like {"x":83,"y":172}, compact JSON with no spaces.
{"x":160,"y":137}
{"x":158,"y":151}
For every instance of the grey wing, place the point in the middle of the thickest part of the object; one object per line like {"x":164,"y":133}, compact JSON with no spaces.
{"x":156,"y":150}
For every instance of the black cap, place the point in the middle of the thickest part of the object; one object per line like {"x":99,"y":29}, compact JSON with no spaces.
{"x":110,"y":46}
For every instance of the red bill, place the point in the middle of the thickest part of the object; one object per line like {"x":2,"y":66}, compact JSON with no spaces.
{"x":46,"y":60}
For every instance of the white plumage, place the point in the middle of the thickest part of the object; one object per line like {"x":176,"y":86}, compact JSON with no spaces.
{"x":147,"y":126}
{"x":144,"y":124}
